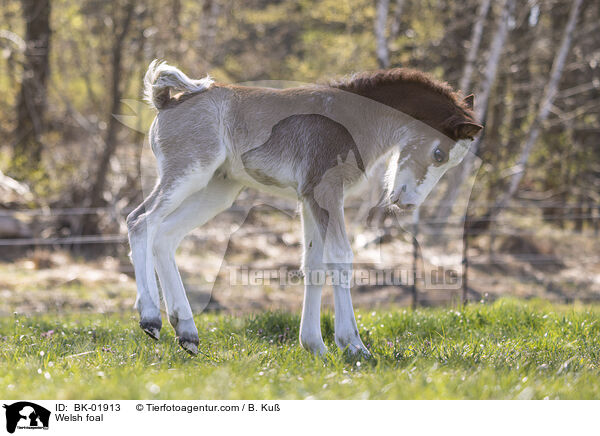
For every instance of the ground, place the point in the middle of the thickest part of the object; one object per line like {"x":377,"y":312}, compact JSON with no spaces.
{"x":508,"y":349}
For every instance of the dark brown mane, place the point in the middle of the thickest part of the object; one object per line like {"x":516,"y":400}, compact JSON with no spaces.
{"x":363,"y":82}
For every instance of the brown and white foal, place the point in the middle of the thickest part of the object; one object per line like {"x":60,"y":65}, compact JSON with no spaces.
{"x":313,"y":144}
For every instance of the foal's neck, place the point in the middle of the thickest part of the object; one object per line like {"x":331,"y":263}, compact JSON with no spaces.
{"x":405,"y":112}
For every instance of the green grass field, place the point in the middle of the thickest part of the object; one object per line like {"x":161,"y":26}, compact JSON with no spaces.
{"x":505,"y":350}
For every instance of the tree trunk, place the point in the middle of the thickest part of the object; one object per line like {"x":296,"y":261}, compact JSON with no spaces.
{"x":32,"y":97}
{"x":444,"y":208}
{"x":395,"y":25}
{"x":382,"y":50}
{"x":176,"y":26}
{"x":544,"y":109}
{"x":89,"y":225}
{"x":206,"y":43}
{"x":467,"y":75}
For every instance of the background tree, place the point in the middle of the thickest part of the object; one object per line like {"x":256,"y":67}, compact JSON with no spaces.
{"x":550,"y":92}
{"x":122,"y":23}
{"x":482,"y":100}
{"x":32,"y":95}
{"x":503,"y":51}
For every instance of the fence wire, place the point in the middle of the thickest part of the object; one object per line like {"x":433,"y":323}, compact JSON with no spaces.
{"x":451,"y":226}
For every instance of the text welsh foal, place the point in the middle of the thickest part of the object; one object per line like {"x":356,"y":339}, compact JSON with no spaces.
{"x":310,"y":143}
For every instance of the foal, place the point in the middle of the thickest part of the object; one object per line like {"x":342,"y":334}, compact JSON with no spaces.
{"x":312,"y":144}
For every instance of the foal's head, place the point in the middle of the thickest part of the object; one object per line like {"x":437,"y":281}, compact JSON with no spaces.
{"x":426,"y":158}
{"x":445,"y":128}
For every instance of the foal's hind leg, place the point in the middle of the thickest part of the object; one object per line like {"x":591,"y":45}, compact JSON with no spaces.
{"x":147,"y":302}
{"x":195,"y":211}
{"x":143,"y":224}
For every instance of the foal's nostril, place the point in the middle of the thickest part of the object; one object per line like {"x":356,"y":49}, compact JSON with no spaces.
{"x":403,"y":188}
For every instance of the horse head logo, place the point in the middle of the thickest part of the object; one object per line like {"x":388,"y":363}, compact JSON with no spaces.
{"x":26,"y":415}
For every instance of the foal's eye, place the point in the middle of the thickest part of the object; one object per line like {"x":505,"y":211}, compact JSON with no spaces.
{"x":439,"y":155}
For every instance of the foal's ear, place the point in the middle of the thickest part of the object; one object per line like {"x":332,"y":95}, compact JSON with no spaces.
{"x":467,"y":130}
{"x":469,"y":101}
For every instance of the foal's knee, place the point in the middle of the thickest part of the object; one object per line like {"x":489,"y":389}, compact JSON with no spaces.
{"x":338,"y":255}
{"x":134,"y":221}
{"x":164,"y":244}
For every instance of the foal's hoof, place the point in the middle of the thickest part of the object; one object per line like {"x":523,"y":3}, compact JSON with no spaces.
{"x":189,"y":344}
{"x":359,"y":351}
{"x":318,"y":350}
{"x":151,"y":328}
{"x":356,"y":350}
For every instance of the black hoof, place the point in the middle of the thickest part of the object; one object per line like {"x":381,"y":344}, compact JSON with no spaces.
{"x":189,"y":344}
{"x":151,"y":328}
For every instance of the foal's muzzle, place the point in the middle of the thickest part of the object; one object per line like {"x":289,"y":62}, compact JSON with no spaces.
{"x":406,"y":207}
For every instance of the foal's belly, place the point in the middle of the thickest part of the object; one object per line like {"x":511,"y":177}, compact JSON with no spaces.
{"x":264,"y":182}
{"x":284,"y":187}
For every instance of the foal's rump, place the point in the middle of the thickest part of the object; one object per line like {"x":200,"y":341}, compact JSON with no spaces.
{"x":185,"y":132}
{"x":186,"y":135}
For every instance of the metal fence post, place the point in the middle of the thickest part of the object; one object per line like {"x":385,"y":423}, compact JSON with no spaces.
{"x":465,"y":261}
{"x":414,"y":289}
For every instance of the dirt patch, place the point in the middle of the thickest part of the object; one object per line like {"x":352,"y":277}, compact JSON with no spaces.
{"x":538,"y":252}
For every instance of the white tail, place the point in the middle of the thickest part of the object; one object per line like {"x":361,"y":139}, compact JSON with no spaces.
{"x":162,"y":77}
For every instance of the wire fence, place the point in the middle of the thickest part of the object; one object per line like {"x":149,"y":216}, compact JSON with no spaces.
{"x":449,"y":226}
{"x":453,"y":227}
{"x":526,"y":204}
{"x":68,"y":240}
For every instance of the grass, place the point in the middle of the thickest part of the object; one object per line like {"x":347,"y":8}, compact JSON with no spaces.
{"x":506,"y":350}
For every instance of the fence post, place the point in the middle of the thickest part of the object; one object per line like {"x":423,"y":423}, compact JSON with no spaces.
{"x":414,"y":289}
{"x":578,"y":216}
{"x":465,"y":261}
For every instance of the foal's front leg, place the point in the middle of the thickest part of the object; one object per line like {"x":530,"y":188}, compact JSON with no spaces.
{"x":338,"y":257}
{"x":327,"y":249}
{"x":314,"y":270}
{"x":346,"y":330}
